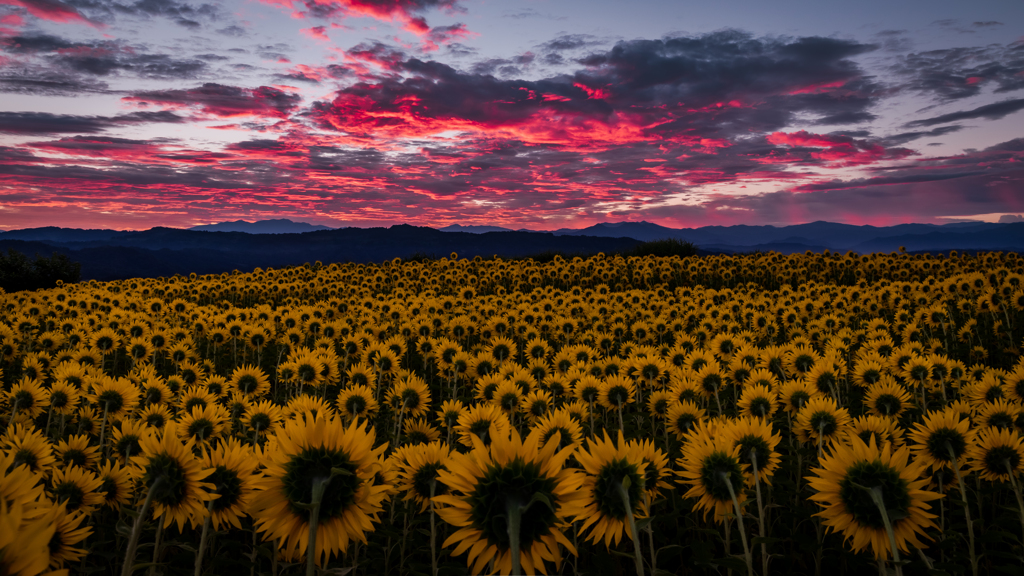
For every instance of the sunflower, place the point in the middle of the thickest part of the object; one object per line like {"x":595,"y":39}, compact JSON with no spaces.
{"x":204,"y":425}
{"x":996,"y":453}
{"x":868,"y":372}
{"x":304,"y":406}
{"x":509,"y":397}
{"x":682,"y":417}
{"x":887,"y":398}
{"x":483,"y":421}
{"x":758,"y":401}
{"x":710,"y":465}
{"x":939,"y":434}
{"x":685,"y":389}
{"x":105,"y":340}
{"x":754,"y":438}
{"x":610,"y":467}
{"x":536,"y":404}
{"x":116,"y":485}
{"x":169,"y":469}
{"x":418,"y":469}
{"x":410,"y":396}
{"x":28,"y":397}
{"x":989,"y":389}
{"x":234,"y":478}
{"x":656,"y":472}
{"x":115,"y":397}
{"x":362,"y":374}
{"x":882,"y":428}
{"x":1000,"y":413}
{"x":68,"y":531}
{"x":196,"y":397}
{"x":263,"y":417}
{"x":76,"y":487}
{"x":448,"y":414}
{"x":156,"y":392}
{"x":76,"y":451}
{"x":843,"y":485}
{"x":795,"y":395}
{"x":155,"y":416}
{"x":30,"y":447}
{"x":511,"y":476}
{"x":616,"y":392}
{"x":419,"y":431}
{"x":64,"y":397}
{"x":24,"y":538}
{"x":822,"y":419}
{"x":320,"y":451}
{"x":484,"y":388}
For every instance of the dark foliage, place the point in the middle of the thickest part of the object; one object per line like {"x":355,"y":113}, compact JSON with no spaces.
{"x":18,"y":272}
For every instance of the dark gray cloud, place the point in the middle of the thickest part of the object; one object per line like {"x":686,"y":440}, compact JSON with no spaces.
{"x":956,"y":73}
{"x":102,"y":58}
{"x":45,"y":123}
{"x":988,"y":112}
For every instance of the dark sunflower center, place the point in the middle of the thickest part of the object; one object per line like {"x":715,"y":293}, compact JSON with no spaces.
{"x":156,"y":420}
{"x":58,"y":399}
{"x":871,"y":376}
{"x":888,"y":404}
{"x":824,"y":423}
{"x":154,"y":395}
{"x":854,"y":491}
{"x":128,"y":445}
{"x":1000,"y":420}
{"x":589,"y":394}
{"x":866,"y":436}
{"x":716,"y":469}
{"x":798,"y":399}
{"x":997,"y":458}
{"x":260,"y":420}
{"x":109,"y":489}
{"x":71,"y":493}
{"x":509,"y":400}
{"x":74,"y":457}
{"x":421,"y":480}
{"x":920,"y":373}
{"x":481,"y":429}
{"x":27,"y":457}
{"x":307,"y":373}
{"x":938,"y":441}
{"x":313,"y":464}
{"x":617,"y":395}
{"x":686,"y":421}
{"x":56,"y":542}
{"x":564,"y":436}
{"x":200,"y":429}
{"x":24,"y":399}
{"x":825,"y":382}
{"x":416,"y":436}
{"x":538,"y":408}
{"x":760,"y":406}
{"x":112,"y":400}
{"x":752,"y":446}
{"x":248,"y":384}
{"x":517,"y":483}
{"x":804,"y":362}
{"x":411,"y":399}
{"x":193,"y":402}
{"x":711,"y":382}
{"x":227,"y":485}
{"x":606,"y":491}
{"x":174,"y":487}
{"x":994,"y":393}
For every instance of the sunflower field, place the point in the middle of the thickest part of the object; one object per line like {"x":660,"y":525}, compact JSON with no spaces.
{"x":752,"y":414}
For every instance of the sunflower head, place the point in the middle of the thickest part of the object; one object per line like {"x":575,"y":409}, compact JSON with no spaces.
{"x":711,"y":466}
{"x":942,"y":439}
{"x":996,"y":454}
{"x":611,"y":466}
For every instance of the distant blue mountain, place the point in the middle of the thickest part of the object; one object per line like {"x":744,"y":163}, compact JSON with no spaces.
{"x":279,"y":226}
{"x":474,"y":229}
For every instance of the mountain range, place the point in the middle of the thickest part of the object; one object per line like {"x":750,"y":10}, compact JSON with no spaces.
{"x":112,"y":254}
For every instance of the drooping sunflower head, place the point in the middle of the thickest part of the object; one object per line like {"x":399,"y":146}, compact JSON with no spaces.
{"x":561,"y":427}
{"x":508,"y":396}
{"x":235,"y":475}
{"x":204,"y":426}
{"x":155,"y":416}
{"x":511,"y":476}
{"x":682,"y":417}
{"x":996,"y":453}
{"x":795,"y":394}
{"x":28,"y":446}
{"x":77,"y":488}
{"x":821,"y":420}
{"x":882,"y":428}
{"x":419,"y":431}
{"x":616,"y":392}
{"x":758,"y":401}
{"x":116,"y":485}
{"x":67,"y":531}
{"x":263,"y":417}
{"x":756,"y":444}
{"x":410,"y":395}
{"x":448,"y":414}
{"x":419,"y":467}
{"x":483,"y":421}
{"x":76,"y":451}
{"x":28,"y":397}
{"x":319,"y":450}
{"x":169,"y":469}
{"x":306,"y":406}
{"x":942,"y":439}
{"x":887,"y":398}
{"x":711,"y":466}
{"x":844,"y":482}
{"x":1000,"y":413}
{"x":656,"y":472}
{"x":117,"y":396}
{"x":611,"y":467}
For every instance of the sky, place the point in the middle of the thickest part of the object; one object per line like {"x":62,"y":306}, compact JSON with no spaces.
{"x":540,"y":114}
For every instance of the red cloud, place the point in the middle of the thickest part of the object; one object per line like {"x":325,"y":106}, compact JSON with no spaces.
{"x":839,"y":150}
{"x":316,"y":33}
{"x":52,"y":10}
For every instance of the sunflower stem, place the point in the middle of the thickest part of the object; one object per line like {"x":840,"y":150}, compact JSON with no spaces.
{"x":103,"y":426}
{"x":876,"y":496}
{"x":515,"y":515}
{"x":967,"y":509}
{"x":319,"y":484}
{"x":1016,"y":492}
{"x":156,"y":547}
{"x":739,"y":520}
{"x":760,"y":512}
{"x":624,"y":494}
{"x":433,"y":530}
{"x":204,"y":538}
{"x":14,"y":411}
{"x":133,"y":540}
